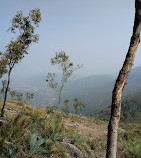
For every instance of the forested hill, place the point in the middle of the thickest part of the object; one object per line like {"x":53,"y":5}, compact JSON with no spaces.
{"x":130,"y":107}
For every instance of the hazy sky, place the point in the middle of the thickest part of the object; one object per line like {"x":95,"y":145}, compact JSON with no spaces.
{"x":95,"y":33}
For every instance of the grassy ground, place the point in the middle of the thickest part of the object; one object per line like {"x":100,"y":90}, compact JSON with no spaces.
{"x":32,"y":132}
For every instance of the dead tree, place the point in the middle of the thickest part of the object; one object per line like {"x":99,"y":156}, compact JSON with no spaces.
{"x":121,"y":82}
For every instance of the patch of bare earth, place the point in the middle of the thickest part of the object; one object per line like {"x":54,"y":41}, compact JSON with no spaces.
{"x":87,"y":128}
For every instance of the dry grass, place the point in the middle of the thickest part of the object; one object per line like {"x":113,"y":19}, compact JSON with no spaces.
{"x":94,"y":130}
{"x":87,"y":127}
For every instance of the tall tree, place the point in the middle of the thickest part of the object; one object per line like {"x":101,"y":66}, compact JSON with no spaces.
{"x":67,"y":68}
{"x":121,"y":82}
{"x":16,"y":49}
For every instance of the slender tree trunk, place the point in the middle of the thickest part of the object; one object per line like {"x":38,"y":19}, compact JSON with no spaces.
{"x":5,"y":96}
{"x":120,"y":82}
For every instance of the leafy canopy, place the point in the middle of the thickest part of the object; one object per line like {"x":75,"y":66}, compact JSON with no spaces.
{"x":16,"y":49}
{"x":67,"y":67}
{"x":78,"y":105}
{"x":65,"y":64}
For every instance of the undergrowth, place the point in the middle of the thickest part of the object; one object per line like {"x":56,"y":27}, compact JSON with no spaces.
{"x":30,"y":133}
{"x":36,"y":132}
{"x":131,"y":140}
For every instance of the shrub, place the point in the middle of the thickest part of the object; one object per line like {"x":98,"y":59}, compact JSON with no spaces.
{"x":49,"y":109}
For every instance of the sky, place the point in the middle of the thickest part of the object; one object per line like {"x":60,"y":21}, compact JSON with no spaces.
{"x":95,"y":33}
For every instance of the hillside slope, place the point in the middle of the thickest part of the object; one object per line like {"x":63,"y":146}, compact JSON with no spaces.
{"x":32,"y":132}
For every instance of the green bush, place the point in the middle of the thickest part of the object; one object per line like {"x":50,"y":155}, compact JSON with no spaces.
{"x":49,"y":109}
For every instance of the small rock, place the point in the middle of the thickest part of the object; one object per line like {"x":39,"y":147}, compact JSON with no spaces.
{"x":74,"y":125}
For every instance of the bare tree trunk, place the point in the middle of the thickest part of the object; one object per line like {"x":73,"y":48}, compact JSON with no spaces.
{"x":5,"y":96}
{"x":121,"y":82}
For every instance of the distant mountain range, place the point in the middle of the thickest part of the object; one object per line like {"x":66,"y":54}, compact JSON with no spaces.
{"x":134,"y":82}
{"x":95,"y":91}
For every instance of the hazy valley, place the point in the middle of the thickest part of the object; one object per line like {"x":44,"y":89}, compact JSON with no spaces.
{"x":95,"y":91}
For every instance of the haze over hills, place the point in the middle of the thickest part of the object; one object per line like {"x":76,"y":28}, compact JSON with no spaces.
{"x":134,"y":82}
{"x":95,"y":91}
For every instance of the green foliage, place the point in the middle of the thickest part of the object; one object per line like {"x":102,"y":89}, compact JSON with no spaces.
{"x":66,"y":108}
{"x":13,"y":94}
{"x":50,"y":80}
{"x":79,"y":106}
{"x":137,"y":149}
{"x":81,"y":142}
{"x":131,"y":148}
{"x":35,"y":144}
{"x":131,"y":108}
{"x":97,"y":143}
{"x":49,"y":109}
{"x":131,"y":140}
{"x":16,"y":49}
{"x":12,"y":135}
{"x":35,"y":15}
{"x":4,"y":85}
{"x":3,"y":64}
{"x":29,"y":96}
{"x":32,"y":134}
{"x":67,"y":68}
{"x":12,"y":151}
{"x":62,"y":60}
{"x":58,"y":131}
{"x":53,"y":132}
{"x":19,"y":96}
